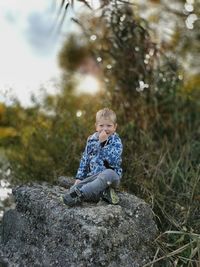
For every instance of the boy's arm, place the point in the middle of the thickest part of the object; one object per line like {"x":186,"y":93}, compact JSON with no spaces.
{"x":111,"y":154}
{"x":83,"y":166}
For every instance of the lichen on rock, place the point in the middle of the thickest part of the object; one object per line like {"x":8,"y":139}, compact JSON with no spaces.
{"x":41,"y":231}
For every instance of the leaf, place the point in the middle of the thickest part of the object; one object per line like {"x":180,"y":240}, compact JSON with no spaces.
{"x":61,"y":6}
{"x":86,"y":3}
{"x":76,"y":21}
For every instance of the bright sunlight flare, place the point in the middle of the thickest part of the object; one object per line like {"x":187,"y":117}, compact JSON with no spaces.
{"x":87,"y":84}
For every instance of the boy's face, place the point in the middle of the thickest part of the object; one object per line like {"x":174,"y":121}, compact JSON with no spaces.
{"x":105,"y":125}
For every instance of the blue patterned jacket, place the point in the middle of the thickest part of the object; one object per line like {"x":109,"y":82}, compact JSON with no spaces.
{"x":100,"y":156}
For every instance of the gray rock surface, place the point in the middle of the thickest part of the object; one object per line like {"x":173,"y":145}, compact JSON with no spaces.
{"x":41,"y":231}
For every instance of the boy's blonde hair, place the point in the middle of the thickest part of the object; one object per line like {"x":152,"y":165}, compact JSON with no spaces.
{"x":107,"y":114}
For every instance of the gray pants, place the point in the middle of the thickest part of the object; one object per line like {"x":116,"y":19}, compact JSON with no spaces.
{"x":93,"y":186}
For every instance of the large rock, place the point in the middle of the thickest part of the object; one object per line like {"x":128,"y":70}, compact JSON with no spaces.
{"x":41,"y":231}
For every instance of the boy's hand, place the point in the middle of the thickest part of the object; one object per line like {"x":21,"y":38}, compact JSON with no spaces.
{"x":77,"y":181}
{"x":103,"y":136}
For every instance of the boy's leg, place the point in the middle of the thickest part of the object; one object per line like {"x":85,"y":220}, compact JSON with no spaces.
{"x":75,"y":196}
{"x":83,"y":182}
{"x":93,"y":190}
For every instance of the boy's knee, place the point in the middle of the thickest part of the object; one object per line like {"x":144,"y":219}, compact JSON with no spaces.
{"x":109,"y":172}
{"x":111,"y":175}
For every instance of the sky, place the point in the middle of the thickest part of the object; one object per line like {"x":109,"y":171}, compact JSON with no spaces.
{"x":27,"y":53}
{"x":29,"y":48}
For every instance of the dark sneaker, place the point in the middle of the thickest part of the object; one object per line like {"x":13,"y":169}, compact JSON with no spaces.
{"x":71,"y":201}
{"x":110,"y":196}
{"x":65,"y":182}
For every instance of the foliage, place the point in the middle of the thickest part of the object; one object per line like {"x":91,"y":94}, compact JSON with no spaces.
{"x":49,"y":143}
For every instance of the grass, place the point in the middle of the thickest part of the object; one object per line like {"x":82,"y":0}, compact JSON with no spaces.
{"x":175,"y":253}
{"x":168,"y":178}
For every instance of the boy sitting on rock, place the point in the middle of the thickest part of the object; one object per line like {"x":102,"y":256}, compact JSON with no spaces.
{"x":100,"y":166}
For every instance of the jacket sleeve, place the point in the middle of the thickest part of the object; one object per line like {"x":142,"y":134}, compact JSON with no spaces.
{"x":111,"y":154}
{"x":83,"y":166}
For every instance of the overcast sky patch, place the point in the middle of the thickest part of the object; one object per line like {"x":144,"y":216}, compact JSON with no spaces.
{"x":38,"y":33}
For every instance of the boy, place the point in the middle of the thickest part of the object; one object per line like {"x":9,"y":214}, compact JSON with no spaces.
{"x":100,"y":166}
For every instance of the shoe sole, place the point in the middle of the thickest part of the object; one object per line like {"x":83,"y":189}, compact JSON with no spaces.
{"x":114,"y":197}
